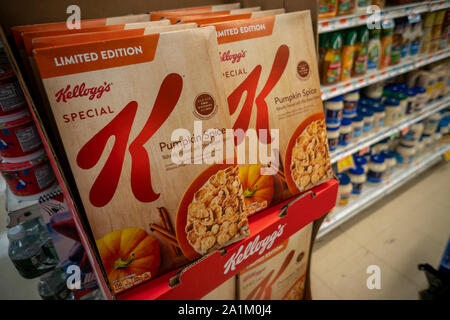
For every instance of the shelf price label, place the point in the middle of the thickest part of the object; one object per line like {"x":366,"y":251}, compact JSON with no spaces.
{"x":345,"y":163}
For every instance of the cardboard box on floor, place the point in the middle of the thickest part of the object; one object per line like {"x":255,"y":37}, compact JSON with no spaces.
{"x":50,"y":11}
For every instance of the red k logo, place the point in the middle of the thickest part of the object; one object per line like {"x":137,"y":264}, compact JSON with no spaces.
{"x":249,"y":85}
{"x":105,"y":185}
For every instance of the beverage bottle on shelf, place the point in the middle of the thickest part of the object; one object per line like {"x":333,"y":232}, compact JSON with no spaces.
{"x":28,"y":254}
{"x":397,"y":43}
{"x":53,"y":286}
{"x":361,"y":52}
{"x":348,"y":55}
{"x":416,"y":39}
{"x":374,"y":49}
{"x":332,"y":61}
{"x":38,"y":228}
{"x":386,"y":45}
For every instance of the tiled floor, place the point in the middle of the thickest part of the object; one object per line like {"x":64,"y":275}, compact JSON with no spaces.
{"x":408,"y":227}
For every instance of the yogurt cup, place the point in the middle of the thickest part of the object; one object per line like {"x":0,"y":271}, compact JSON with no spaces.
{"x":11,"y":95}
{"x":357,"y":177}
{"x":30,"y":179}
{"x":19,"y":138}
{"x":377,"y":168}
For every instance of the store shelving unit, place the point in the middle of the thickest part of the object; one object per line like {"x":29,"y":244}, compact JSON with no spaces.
{"x":386,"y":132}
{"x":371,"y":194}
{"x":359,"y":19}
{"x":379,"y":75}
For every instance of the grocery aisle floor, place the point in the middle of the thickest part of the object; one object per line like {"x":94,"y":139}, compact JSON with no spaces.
{"x":408,"y":227}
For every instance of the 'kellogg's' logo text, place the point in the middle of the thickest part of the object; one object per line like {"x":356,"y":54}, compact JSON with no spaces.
{"x":233,"y":57}
{"x":81,"y":91}
{"x":255,"y":246}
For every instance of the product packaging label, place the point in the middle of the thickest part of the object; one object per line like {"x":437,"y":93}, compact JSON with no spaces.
{"x":142,"y":122}
{"x":280,"y":273}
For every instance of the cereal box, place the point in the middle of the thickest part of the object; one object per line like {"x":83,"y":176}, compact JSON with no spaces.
{"x":272,"y":86}
{"x":140,"y":120}
{"x":280,"y":273}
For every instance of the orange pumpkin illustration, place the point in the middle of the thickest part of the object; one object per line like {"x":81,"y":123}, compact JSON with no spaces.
{"x":257,"y":187}
{"x":129,"y":251}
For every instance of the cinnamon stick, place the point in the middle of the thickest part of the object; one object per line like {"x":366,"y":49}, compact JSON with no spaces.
{"x":164,"y":234}
{"x":168,"y":226}
{"x":163,"y":231}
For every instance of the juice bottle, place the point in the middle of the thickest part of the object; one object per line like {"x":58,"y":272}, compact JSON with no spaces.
{"x":397,"y":44}
{"x":374,"y":49}
{"x":427,"y":32}
{"x":332,"y":61}
{"x":345,"y":7}
{"x":386,"y":47}
{"x":326,"y":8}
{"x":361,"y":52}
{"x":348,"y":55}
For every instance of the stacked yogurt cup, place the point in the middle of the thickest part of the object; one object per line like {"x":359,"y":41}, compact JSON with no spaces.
{"x":24,"y":164}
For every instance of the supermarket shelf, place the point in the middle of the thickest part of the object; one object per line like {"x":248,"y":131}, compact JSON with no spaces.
{"x":371,"y":194}
{"x":22,"y":210}
{"x":359,"y":19}
{"x":373,"y":138}
{"x":379,"y":75}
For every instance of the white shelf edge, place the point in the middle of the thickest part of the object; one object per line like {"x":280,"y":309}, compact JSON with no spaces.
{"x":372,"y":194}
{"x":380,"y":75}
{"x":387,"y":132}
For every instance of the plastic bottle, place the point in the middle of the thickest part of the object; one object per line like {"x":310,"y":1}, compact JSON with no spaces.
{"x":374,"y":49}
{"x":344,"y":190}
{"x":348,"y":55}
{"x":333,"y":138}
{"x":333,"y":109}
{"x":387,"y":36}
{"x":397,"y":43}
{"x":350,"y":104}
{"x":332,"y":62}
{"x":427,"y":32}
{"x":357,"y":126}
{"x":361,"y":52}
{"x":361,"y":5}
{"x":345,"y":132}
{"x":53,"y":286}
{"x":437,"y":30}
{"x":416,"y":39}
{"x":326,"y":9}
{"x":27,"y":253}
{"x":345,"y":7}
{"x":36,"y":227}
{"x":377,"y":168}
{"x":357,"y":177}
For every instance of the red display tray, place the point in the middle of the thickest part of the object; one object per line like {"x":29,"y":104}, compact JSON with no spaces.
{"x":267,"y":229}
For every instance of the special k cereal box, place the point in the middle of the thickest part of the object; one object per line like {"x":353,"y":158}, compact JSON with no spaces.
{"x":140,"y":120}
{"x":280,"y":273}
{"x":226,"y":291}
{"x":273,"y":92}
